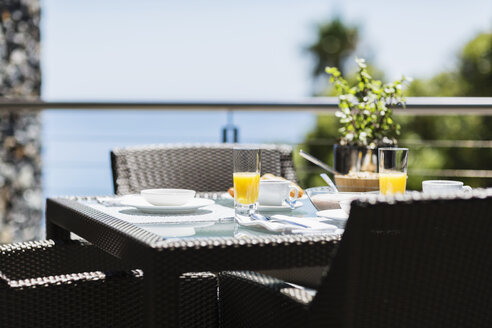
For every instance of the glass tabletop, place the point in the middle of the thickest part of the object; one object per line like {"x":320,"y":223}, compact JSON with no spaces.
{"x":228,"y":227}
{"x":216,"y":220}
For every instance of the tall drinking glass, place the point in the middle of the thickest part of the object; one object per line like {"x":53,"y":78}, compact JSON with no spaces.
{"x":246,"y":180}
{"x":392,"y":170}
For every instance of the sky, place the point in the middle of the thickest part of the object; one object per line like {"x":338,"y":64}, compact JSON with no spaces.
{"x":235,"y":50}
{"x":212,"y":50}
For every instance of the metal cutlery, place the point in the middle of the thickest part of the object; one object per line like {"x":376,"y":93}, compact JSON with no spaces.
{"x":316,"y":161}
{"x":324,"y":176}
{"x":327,"y":179}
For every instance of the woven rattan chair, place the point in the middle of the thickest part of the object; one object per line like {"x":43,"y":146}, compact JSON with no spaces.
{"x":66,"y":284}
{"x":74,"y":284}
{"x":413,"y":261}
{"x":201,"y":167}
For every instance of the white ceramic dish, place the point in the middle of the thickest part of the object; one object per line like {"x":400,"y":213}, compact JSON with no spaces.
{"x":272,"y":208}
{"x":168,"y":197}
{"x":324,"y":200}
{"x":140,"y":203}
{"x":443,"y":186}
{"x":273,"y":192}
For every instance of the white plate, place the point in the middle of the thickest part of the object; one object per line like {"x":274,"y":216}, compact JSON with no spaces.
{"x":284,"y":207}
{"x":337,"y":214}
{"x":138,"y":202}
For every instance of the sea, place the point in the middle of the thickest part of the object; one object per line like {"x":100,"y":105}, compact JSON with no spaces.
{"x":76,"y":143}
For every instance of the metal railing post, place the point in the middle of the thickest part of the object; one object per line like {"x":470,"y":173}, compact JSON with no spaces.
{"x":230,"y":127}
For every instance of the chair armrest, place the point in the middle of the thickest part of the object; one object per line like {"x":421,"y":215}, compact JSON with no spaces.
{"x":49,"y":257}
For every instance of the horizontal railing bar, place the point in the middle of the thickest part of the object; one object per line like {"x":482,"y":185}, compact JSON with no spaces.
{"x":420,"y":143}
{"x":449,"y":143}
{"x":415,"y":105}
{"x":101,"y":138}
{"x":461,"y":173}
{"x":452,"y":173}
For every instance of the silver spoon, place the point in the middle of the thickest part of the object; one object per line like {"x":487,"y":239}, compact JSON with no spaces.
{"x":327,"y":179}
{"x":316,"y":161}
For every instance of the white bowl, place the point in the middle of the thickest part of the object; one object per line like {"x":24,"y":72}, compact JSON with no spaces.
{"x":323,"y":198}
{"x":168,"y":197}
{"x":332,"y":200}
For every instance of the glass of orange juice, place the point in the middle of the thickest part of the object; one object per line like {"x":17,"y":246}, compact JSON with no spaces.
{"x":392,"y":170}
{"x":246,"y":180}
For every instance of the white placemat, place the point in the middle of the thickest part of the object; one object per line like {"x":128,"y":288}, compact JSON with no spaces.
{"x":129,"y":214}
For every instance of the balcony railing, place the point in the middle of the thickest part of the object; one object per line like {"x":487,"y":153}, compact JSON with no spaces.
{"x":415,"y":106}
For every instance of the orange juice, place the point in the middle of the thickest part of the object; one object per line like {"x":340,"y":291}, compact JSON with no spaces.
{"x":392,"y":182}
{"x":246,"y":187}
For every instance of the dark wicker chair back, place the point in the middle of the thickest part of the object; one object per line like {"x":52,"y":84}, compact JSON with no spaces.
{"x":419,"y":263}
{"x":201,"y":167}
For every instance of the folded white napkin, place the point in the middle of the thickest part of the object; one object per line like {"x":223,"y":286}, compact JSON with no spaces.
{"x":336,"y":214}
{"x":291,"y":224}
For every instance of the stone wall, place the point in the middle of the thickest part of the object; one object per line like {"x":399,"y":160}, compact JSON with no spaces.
{"x":20,"y":164}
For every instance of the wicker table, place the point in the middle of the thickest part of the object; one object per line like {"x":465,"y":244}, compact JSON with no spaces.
{"x":213,"y":248}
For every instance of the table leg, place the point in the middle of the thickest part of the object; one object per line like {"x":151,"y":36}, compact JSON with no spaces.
{"x":160,"y":298}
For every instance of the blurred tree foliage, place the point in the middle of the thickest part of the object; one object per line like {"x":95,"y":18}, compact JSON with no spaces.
{"x":335,"y":42}
{"x":472,"y":77}
{"x":475,"y":67}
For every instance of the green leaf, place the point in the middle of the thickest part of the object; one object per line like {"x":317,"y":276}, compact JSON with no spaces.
{"x":366,"y":106}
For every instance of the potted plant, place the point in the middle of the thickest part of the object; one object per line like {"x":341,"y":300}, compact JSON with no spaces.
{"x":366,"y":118}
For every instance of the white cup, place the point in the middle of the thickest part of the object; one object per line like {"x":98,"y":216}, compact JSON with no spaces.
{"x":443,"y":186}
{"x":275,"y":193}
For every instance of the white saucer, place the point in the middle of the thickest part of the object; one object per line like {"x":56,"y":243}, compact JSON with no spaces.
{"x":138,"y":202}
{"x":337,"y":214}
{"x":283,"y":207}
